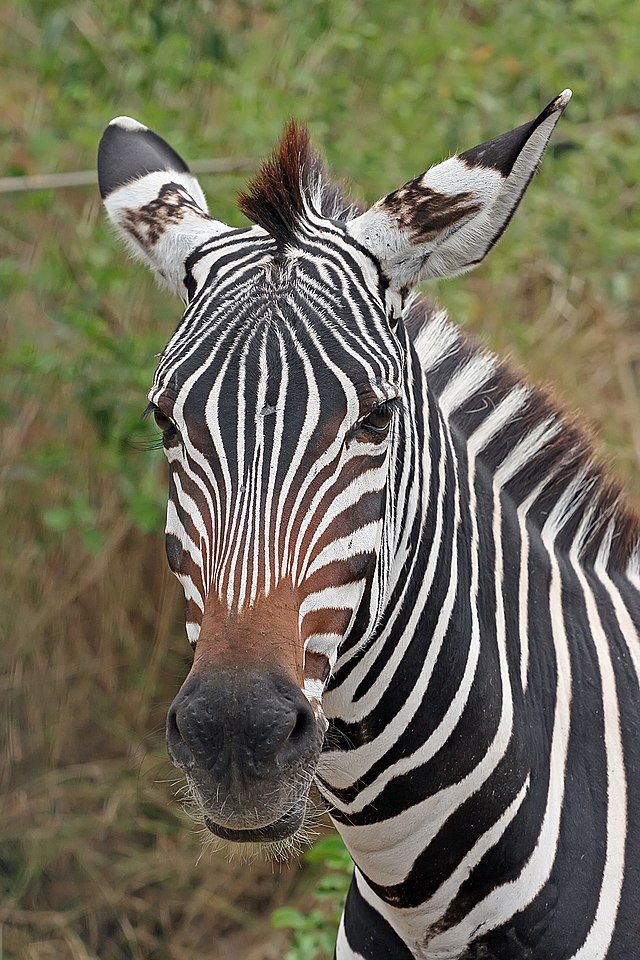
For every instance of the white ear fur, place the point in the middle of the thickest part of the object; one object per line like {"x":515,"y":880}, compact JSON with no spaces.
{"x":161,"y":223}
{"x":156,"y":205}
{"x":444,"y":222}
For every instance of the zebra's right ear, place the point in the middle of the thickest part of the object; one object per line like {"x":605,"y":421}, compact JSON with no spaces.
{"x":153,"y":200}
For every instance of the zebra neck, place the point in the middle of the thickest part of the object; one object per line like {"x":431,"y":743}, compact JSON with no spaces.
{"x":498,"y":692}
{"x":422,"y":715}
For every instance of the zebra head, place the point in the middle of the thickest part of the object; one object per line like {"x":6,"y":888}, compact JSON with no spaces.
{"x":285,"y":404}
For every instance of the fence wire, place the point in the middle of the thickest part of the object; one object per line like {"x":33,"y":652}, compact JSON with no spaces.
{"x":87,"y":178}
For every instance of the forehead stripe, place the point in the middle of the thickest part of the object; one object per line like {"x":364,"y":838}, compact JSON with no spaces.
{"x":275,"y":459}
{"x":258,"y":512}
{"x":311,"y":418}
{"x":315,"y":289}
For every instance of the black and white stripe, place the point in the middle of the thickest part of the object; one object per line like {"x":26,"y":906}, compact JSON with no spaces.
{"x":489,"y":792}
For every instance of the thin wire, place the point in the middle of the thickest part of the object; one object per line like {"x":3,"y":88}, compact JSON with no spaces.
{"x":86,"y":178}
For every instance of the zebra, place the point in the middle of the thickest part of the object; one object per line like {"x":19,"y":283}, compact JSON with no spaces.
{"x":407,"y":578}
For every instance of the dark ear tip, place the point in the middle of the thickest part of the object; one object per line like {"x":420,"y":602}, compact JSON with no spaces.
{"x":129,"y":150}
{"x":109,"y":149}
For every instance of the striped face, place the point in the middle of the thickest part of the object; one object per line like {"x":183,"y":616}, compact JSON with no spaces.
{"x":276,"y":399}
{"x":279,"y":398}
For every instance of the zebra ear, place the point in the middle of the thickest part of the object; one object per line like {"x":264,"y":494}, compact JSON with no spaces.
{"x":153,"y":200}
{"x":445,"y":222}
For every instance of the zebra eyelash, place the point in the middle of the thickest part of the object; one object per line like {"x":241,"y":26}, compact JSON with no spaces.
{"x":392,"y":406}
{"x":387,"y":408}
{"x":167,"y":435}
{"x":146,"y":446}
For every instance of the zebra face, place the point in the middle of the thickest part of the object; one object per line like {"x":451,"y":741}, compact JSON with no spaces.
{"x":279,"y":400}
{"x":277,"y":412}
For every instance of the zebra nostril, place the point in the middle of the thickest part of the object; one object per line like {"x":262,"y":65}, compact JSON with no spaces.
{"x":179,"y":752}
{"x":303,"y":726}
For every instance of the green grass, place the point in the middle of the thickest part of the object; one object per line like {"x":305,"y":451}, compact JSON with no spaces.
{"x":97,"y":860}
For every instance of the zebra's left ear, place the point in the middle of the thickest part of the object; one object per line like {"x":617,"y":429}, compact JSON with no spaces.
{"x":445,"y":222}
{"x":153,"y":200}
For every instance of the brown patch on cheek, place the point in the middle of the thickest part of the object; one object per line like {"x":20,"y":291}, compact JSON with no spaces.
{"x":265,"y":634}
{"x":424,"y":213}
{"x":326,"y":621}
{"x":148,"y":223}
{"x":316,"y":667}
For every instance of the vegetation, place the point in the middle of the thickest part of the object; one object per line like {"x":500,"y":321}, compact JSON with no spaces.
{"x":96,"y":859}
{"x":314,"y":930}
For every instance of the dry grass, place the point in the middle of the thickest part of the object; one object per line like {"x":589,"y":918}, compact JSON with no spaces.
{"x":98,"y":859}
{"x":569,"y":337}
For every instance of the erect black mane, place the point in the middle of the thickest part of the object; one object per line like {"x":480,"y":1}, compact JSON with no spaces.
{"x":290,"y":183}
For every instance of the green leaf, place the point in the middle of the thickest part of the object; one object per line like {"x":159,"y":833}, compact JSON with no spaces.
{"x":58,"y":519}
{"x":288,"y":917}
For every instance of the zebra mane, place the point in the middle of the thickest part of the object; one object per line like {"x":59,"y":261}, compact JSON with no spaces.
{"x":292,"y":184}
{"x":534,"y":433}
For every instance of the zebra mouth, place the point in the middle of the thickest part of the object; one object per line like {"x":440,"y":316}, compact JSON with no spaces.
{"x":280,"y":829}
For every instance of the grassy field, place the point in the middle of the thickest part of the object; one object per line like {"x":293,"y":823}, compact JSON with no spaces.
{"x":96,"y":858}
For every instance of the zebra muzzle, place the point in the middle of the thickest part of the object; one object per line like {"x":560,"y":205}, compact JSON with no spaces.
{"x":249,"y":742}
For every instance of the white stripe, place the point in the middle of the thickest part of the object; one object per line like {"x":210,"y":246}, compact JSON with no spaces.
{"x":191,"y":592}
{"x":507,"y":899}
{"x":174,"y":527}
{"x":323,"y":643}
{"x":497,"y":419}
{"x":466,"y":382}
{"x":599,"y":937}
{"x":344,"y":597}
{"x":313,"y":688}
{"x":437,"y":339}
{"x":278,"y":431}
{"x":362,"y":540}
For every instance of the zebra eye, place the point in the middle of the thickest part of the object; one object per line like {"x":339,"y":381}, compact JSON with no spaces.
{"x":379,"y":420}
{"x":167,"y":426}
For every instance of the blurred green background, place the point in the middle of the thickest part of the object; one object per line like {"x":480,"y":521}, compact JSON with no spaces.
{"x":96,"y":858}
